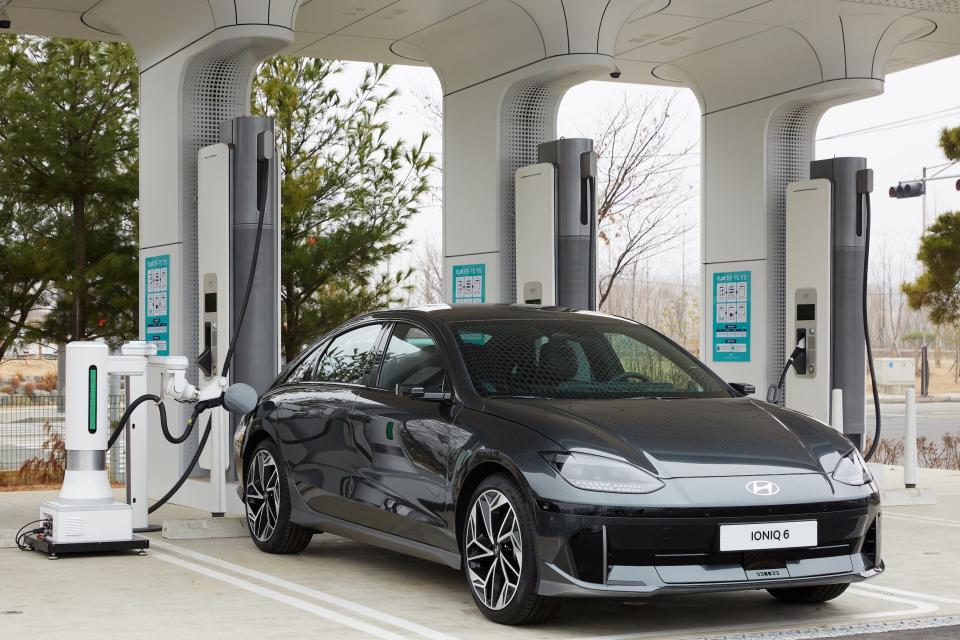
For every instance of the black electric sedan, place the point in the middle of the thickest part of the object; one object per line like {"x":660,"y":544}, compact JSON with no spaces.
{"x":551,"y":453}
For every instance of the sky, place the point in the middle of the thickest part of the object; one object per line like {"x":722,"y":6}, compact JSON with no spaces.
{"x":897,"y":132}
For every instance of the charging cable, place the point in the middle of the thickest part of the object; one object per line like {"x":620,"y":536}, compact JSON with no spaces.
{"x":775,"y":391}
{"x":865,"y":201}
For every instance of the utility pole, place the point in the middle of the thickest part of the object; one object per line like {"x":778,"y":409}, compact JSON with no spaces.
{"x":924,"y":347}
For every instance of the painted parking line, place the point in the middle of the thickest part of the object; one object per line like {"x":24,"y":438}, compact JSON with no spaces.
{"x":342,"y":603}
{"x":910,"y":594}
{"x":919,"y":608}
{"x":303,"y":605}
{"x":847,"y":631}
{"x":909,"y":516}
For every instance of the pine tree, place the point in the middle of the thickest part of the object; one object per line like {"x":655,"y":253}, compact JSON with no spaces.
{"x":347,"y":193}
{"x":68,"y":171}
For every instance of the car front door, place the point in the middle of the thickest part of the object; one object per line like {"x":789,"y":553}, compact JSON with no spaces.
{"x":406,"y":422}
{"x":315,"y":429}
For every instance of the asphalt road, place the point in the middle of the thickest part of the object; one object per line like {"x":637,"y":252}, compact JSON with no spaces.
{"x":933,"y":419}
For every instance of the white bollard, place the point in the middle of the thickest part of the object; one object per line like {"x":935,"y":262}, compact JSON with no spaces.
{"x":836,"y":409}
{"x":910,"y":440}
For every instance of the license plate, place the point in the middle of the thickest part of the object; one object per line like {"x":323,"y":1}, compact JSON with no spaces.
{"x":768,"y":535}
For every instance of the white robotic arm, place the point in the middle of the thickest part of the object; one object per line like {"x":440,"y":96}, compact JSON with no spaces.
{"x":178,"y":388}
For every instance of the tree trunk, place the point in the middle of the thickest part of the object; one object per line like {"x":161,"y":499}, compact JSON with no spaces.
{"x":288,"y":339}
{"x":956,"y":362}
{"x":61,"y":374}
{"x":79,"y":267}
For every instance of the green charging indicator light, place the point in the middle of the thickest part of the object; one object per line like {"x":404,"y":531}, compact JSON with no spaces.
{"x":92,"y":399}
{"x":389,"y":431}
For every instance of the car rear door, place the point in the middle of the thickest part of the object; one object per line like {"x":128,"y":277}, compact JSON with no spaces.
{"x":406,"y":427}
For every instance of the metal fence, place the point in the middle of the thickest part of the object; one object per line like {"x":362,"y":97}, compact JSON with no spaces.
{"x":29,"y":426}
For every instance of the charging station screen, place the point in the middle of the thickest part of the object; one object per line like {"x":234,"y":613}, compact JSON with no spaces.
{"x":806,"y":312}
{"x":731,"y":316}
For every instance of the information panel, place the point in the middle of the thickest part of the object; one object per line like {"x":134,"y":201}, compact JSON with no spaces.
{"x":731,"y":316}
{"x":156,"y":307}
{"x":469,"y":283}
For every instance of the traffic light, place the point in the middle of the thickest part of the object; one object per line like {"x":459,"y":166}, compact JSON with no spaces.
{"x":910,"y":189}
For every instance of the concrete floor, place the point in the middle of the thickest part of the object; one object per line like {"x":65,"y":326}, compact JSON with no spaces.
{"x":341,"y":589}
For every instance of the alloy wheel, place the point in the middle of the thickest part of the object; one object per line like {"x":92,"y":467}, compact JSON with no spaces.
{"x":262,"y":495}
{"x":494,"y":549}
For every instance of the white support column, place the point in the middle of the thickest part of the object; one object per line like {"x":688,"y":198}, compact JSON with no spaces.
{"x":760,"y":115}
{"x":184,"y":100}
{"x":750,"y":153}
{"x":490,"y":129}
{"x":137,"y":462}
{"x":910,"y":439}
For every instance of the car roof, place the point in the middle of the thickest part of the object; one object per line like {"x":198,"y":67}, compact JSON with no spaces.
{"x":444,"y":313}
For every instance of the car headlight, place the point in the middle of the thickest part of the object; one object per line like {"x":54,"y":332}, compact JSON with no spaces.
{"x":596,"y":473}
{"x":852,"y":470}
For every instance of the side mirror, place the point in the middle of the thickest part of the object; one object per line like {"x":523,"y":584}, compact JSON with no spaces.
{"x":743,"y":388}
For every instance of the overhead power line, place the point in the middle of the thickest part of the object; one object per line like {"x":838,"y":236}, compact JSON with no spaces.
{"x":896,"y":124}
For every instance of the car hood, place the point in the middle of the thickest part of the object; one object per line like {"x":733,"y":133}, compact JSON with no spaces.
{"x":684,"y":437}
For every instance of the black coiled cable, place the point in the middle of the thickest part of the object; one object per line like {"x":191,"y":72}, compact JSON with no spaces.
{"x":125,"y":419}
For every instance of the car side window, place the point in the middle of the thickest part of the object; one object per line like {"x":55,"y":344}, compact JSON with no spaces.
{"x":350,"y":356}
{"x":304,"y":371}
{"x":412,"y":359}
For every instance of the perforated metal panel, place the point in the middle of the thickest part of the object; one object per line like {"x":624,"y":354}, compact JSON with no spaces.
{"x":528,"y":117}
{"x":941,"y":6}
{"x":216,"y":88}
{"x":790,"y":138}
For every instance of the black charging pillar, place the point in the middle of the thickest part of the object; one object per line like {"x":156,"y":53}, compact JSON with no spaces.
{"x":846,"y":322}
{"x":256,"y":358}
{"x":576,"y":223}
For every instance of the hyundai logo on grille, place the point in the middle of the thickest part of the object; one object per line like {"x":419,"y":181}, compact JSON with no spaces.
{"x":763,"y":488}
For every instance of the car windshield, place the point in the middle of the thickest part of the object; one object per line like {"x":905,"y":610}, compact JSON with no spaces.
{"x":579,"y":358}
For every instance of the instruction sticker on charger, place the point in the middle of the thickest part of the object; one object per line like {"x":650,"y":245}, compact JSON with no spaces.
{"x":731,"y":316}
{"x":469,"y":283}
{"x":156,"y":306}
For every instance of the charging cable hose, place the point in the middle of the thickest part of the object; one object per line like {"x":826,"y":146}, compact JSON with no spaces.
{"x":866,"y":327}
{"x":775,"y":391}
{"x":197,"y":410}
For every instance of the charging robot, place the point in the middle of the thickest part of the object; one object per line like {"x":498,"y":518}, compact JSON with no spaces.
{"x":86,"y":517}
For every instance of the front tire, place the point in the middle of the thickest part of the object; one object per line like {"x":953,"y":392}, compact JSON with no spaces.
{"x":266,"y":497}
{"x":809,"y":595}
{"x":499,"y":554}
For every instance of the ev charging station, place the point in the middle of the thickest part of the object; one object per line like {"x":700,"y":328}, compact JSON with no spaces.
{"x":556,"y":226}
{"x":827,"y":240}
{"x":238,"y":249}
{"x":763,"y":73}
{"x":238,"y":258}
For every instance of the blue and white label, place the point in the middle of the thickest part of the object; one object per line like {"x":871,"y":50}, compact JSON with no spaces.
{"x":469,"y":283}
{"x":157,"y":303}
{"x":731,"y":316}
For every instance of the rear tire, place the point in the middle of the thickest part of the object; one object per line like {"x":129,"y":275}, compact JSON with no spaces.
{"x":491,"y":560}
{"x":266,"y":497}
{"x":809,"y":595}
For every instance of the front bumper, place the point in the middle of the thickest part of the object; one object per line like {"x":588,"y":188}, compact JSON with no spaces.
{"x":593,"y":551}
